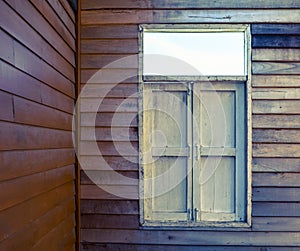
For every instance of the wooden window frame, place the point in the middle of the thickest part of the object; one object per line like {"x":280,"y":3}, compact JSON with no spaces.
{"x":202,"y":225}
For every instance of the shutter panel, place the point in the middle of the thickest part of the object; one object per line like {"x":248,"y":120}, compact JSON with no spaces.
{"x":219,"y":131}
{"x":167,"y":131}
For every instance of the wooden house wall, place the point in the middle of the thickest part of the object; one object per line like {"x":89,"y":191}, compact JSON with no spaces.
{"x":37,"y":172}
{"x":109,"y":31}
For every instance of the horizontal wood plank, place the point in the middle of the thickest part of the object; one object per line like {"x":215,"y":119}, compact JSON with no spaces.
{"x":286,"y":224}
{"x":14,"y":218}
{"x":276,"y":107}
{"x":108,"y":105}
{"x":275,"y":194}
{"x":93,"y":17}
{"x":275,"y":29}
{"x":276,"y":209}
{"x":276,"y":41}
{"x":275,"y":136}
{"x":109,"y":134}
{"x":107,"y":207}
{"x":108,"y":163}
{"x":33,"y":161}
{"x":21,"y":137}
{"x":276,"y":150}
{"x":275,"y":68}
{"x":90,"y":177}
{"x":109,"y":119}
{"x":109,"y":31}
{"x":275,"y":81}
{"x":60,"y":11}
{"x":190,"y":237}
{"x":276,"y":55}
{"x":107,"y":76}
{"x":276,"y":93}
{"x":31,"y":113}
{"x":100,"y":61}
{"x":109,"y":46}
{"x":276,"y":179}
{"x":33,"y":185}
{"x":109,"y":192}
{"x":109,"y":90}
{"x":141,"y":247}
{"x":276,"y":165}
{"x":276,"y":121}
{"x":98,"y":221}
{"x":6,"y":106}
{"x":109,"y":148}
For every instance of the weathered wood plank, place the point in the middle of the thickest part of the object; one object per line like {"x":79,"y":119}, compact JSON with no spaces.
{"x":32,"y":233}
{"x":276,"y":106}
{"x":109,"y":148}
{"x":275,"y":68}
{"x":108,"y":105}
{"x":21,"y":137}
{"x":94,"y":17}
{"x":31,"y":113}
{"x":63,"y":15}
{"x":275,"y":136}
{"x":108,"y":163}
{"x":275,"y":224}
{"x":109,"y":192}
{"x":26,"y":61}
{"x":190,"y":237}
{"x":14,"y":218}
{"x":107,"y":207}
{"x":275,"y":194}
{"x":6,"y":47}
{"x":109,"y":119}
{"x":6,"y":106}
{"x":112,"y":4}
{"x":110,"y":46}
{"x":16,"y":82}
{"x":276,"y":165}
{"x":276,"y":179}
{"x":39,"y":23}
{"x":276,"y":93}
{"x":276,"y":209}
{"x":109,"y":134}
{"x":68,"y":9}
{"x":277,"y":55}
{"x":141,"y":247}
{"x":275,"y":41}
{"x":33,"y":185}
{"x":276,"y":150}
{"x":90,"y":177}
{"x":50,"y":15}
{"x":99,"y":61}
{"x":109,"y":31}
{"x":109,"y":90}
{"x":107,"y":76}
{"x":276,"y":29}
{"x":33,"y":161}
{"x":96,"y":221}
{"x":276,"y":121}
{"x":275,"y":81}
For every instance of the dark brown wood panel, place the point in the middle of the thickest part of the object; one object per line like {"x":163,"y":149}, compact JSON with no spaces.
{"x":275,"y":29}
{"x":275,"y":41}
{"x":6,"y":106}
{"x":109,"y":31}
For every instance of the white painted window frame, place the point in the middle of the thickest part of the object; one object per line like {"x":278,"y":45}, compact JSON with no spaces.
{"x":248,"y":158}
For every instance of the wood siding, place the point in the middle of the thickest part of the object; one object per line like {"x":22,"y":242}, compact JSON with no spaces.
{"x":37,"y":92}
{"x":109,"y":31}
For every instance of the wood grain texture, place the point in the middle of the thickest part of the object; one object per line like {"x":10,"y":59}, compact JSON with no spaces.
{"x":109,"y":31}
{"x":275,"y":81}
{"x":276,"y":150}
{"x":276,"y":107}
{"x":109,"y":207}
{"x":276,"y":165}
{"x":276,"y":179}
{"x":275,"y":223}
{"x":275,"y":41}
{"x":190,"y":237}
{"x":275,"y":136}
{"x":276,"y":93}
{"x":276,"y":29}
{"x":276,"y":121}
{"x":276,"y":68}
{"x":277,"y":55}
{"x":37,"y":75}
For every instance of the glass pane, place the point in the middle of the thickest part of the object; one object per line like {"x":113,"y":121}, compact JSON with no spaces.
{"x":214,"y":53}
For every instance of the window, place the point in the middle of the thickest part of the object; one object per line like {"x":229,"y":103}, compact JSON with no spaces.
{"x":193,"y":126}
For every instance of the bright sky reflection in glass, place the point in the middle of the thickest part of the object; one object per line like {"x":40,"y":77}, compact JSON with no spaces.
{"x":207,"y":53}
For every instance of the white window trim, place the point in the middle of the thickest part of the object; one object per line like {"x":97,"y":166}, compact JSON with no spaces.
{"x":248,"y":114}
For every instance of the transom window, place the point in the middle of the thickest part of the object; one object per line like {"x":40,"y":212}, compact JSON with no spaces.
{"x":193,"y":126}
